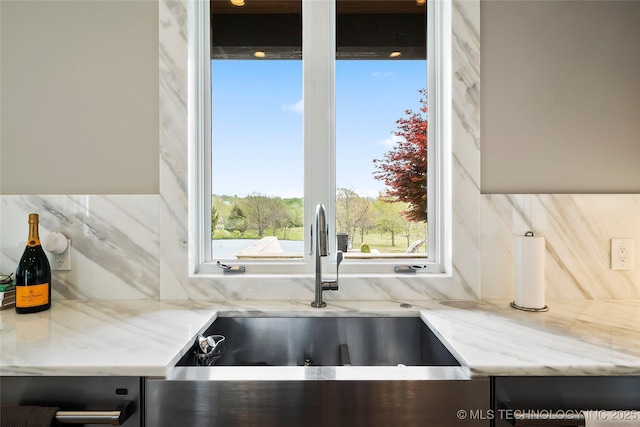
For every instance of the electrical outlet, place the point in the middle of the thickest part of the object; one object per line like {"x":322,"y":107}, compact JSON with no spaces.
{"x":622,"y":254}
{"x":60,"y":262}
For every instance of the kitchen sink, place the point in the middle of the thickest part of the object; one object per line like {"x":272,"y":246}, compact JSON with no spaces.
{"x":324,"y":341}
{"x":317,"y":371}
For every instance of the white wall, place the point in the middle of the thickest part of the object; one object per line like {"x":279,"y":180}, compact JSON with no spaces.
{"x":560,"y":96}
{"x":79,"y":97}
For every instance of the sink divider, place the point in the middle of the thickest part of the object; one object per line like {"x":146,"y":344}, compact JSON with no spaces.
{"x":345,"y":359}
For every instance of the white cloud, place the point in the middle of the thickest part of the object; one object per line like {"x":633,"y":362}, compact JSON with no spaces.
{"x":296,"y":108}
{"x":391,"y":141}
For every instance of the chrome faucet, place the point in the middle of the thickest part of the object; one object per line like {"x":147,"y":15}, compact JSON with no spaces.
{"x":322,"y":234}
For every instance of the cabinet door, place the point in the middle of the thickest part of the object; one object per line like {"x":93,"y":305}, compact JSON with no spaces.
{"x":315,"y":403}
{"x":75,"y":394}
{"x":556,"y":400}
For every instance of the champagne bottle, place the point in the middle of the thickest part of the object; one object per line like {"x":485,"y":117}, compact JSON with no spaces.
{"x":33,"y":275}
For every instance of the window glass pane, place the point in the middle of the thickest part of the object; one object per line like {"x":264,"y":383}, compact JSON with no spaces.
{"x":257,"y":148}
{"x":381,"y":158}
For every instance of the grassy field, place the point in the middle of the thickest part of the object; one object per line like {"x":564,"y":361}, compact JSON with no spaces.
{"x":383,"y":242}
{"x":375,"y":240}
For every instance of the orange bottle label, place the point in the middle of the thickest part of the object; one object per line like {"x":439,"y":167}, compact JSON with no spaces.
{"x":32,"y":295}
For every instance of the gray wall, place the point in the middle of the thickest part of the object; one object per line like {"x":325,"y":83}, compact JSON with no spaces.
{"x":560,"y":96}
{"x":79,"y":89}
{"x":79,"y":97}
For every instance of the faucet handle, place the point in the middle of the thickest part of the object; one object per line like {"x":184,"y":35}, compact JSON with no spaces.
{"x":339,"y":258}
{"x":332,"y":285}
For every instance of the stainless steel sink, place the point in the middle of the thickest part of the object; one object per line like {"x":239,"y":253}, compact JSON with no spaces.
{"x":319,"y":371}
{"x":326,"y":341}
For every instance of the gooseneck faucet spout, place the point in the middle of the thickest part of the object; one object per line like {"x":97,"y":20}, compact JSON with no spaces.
{"x":322,"y":234}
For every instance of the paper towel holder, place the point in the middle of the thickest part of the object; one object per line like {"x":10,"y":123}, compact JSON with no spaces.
{"x":516,"y":306}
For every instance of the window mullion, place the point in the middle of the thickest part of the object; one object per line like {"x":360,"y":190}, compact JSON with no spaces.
{"x":318,"y":59}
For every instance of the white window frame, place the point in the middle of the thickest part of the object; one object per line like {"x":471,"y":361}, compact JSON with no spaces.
{"x":319,"y":143}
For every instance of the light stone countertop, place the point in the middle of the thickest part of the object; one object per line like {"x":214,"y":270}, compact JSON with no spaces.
{"x":147,"y":338}
{"x":572,"y":338}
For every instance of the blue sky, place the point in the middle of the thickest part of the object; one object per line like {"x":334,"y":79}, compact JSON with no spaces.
{"x":257,"y":122}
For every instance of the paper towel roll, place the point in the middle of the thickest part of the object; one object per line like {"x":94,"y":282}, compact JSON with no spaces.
{"x":529,"y":271}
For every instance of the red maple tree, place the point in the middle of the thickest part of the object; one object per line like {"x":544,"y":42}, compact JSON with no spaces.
{"x":404,"y":169}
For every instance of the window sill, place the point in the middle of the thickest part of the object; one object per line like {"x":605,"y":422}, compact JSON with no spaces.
{"x":343,"y":276}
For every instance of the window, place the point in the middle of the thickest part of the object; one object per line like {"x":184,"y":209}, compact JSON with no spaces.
{"x":298,"y":115}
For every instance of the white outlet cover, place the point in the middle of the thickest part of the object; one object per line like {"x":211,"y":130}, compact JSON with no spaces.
{"x":622,"y":254}
{"x":60,"y":262}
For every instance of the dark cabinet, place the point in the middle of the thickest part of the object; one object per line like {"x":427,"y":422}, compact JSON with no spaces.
{"x":556,"y":401}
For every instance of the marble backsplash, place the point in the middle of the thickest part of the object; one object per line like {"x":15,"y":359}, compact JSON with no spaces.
{"x":116,"y":250}
{"x":116,"y":254}
{"x":114,"y":242}
{"x":577,"y":231}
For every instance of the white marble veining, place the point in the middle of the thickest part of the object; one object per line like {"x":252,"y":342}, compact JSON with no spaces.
{"x":173,"y":100}
{"x":114,"y":242}
{"x":147,"y":338}
{"x":101,"y":338}
{"x":115,"y":251}
{"x":573,"y":338}
{"x":577,"y":229}
{"x":465,"y":144}
{"x":352,"y":308}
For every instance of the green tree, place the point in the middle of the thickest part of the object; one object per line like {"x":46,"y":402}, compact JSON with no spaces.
{"x":413,"y":231}
{"x":296,"y":210}
{"x":389,"y":217}
{"x":351,"y":212}
{"x":237,"y":220}
{"x":278,"y":215}
{"x":257,"y":208}
{"x":214,"y":220}
{"x":222,"y":207}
